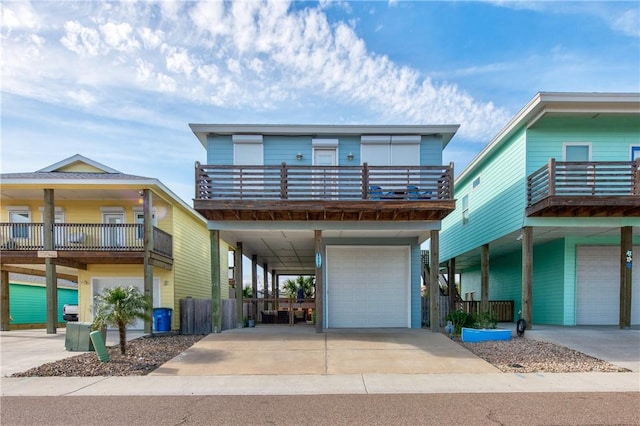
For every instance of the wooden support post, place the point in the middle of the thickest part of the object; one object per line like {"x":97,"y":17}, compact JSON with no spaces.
{"x":551,"y":178}
{"x":452,"y":284}
{"x":274,"y":289}
{"x":265,"y":285}
{"x":527,"y":275}
{"x":484,"y":278}
{"x":237,"y":270}
{"x":320,"y":262}
{"x":434,"y":287}
{"x":50,"y":267}
{"x":254,"y":287}
{"x":626,"y":262}
{"x":5,"y":312}
{"x":147,"y":226}
{"x":216,"y":296}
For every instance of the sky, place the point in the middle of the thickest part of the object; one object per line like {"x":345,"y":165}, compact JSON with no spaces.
{"x":119,"y":82}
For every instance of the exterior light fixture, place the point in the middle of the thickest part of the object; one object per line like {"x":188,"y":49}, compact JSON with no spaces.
{"x":299,"y":156}
{"x":350,"y":156}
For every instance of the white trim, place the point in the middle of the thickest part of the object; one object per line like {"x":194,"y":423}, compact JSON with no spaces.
{"x":375,"y":139}
{"x":566,"y":144}
{"x":78,"y":159}
{"x":112,"y":210}
{"x":18,"y":208}
{"x":325,"y":143}
{"x":257,"y":139}
{"x":406,"y":139}
{"x":634,"y":148}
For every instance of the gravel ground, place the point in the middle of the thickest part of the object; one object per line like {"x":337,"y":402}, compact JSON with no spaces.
{"x":524,"y":355}
{"x":144,"y":355}
{"x":147,"y":353}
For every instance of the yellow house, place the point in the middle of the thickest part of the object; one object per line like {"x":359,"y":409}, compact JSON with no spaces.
{"x":83,"y":221}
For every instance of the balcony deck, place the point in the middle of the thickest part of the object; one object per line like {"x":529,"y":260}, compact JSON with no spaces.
{"x":80,"y":244}
{"x":327,"y":193}
{"x":584,"y":189}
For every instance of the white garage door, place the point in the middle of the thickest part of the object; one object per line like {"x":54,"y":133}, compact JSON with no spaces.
{"x":598,"y":286}
{"x":368,"y":287}
{"x":99,"y":284}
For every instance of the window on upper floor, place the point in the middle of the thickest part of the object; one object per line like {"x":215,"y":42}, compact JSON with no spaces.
{"x":20,"y":217}
{"x":138,"y":215}
{"x":577,"y":151}
{"x":476,"y":182}
{"x":248,"y":150}
{"x":465,"y":209}
{"x":635,"y":152}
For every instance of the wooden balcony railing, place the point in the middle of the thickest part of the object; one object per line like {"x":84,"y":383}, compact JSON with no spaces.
{"x":584,"y":179}
{"x":83,"y":237}
{"x":341,"y":183}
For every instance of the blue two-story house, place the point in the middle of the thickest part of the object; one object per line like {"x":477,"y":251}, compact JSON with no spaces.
{"x":548,"y":214}
{"x":349,"y":204}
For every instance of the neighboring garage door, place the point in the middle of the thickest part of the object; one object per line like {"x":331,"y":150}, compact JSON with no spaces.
{"x":598,"y":286}
{"x":368,"y":287}
{"x":99,"y":284}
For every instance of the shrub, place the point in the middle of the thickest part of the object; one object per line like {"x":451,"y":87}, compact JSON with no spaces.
{"x":485,"y":320}
{"x":460,"y":319}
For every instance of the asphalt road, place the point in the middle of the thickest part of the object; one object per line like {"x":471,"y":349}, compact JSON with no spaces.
{"x":414,"y":409}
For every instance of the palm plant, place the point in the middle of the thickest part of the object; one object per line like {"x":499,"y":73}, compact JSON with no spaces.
{"x":120,"y":307}
{"x":290,"y":287}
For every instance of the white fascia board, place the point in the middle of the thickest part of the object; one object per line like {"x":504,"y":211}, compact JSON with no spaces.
{"x":557,"y":102}
{"x":78,"y":159}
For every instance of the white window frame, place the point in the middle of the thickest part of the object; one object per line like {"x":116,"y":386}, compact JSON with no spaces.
{"x":138,"y":218}
{"x":465,"y":209}
{"x":19,"y":210}
{"x":566,"y":144}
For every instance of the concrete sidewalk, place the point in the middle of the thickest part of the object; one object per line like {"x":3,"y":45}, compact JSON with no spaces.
{"x":276,"y":360}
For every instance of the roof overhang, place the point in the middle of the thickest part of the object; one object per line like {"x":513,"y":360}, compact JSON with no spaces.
{"x":446,"y":131}
{"x":554,"y":103}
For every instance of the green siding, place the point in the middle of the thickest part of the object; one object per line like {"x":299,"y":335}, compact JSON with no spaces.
{"x":610,"y":138}
{"x":28,"y":303}
{"x":548,"y":282}
{"x":500,"y":194}
{"x":505,"y":281}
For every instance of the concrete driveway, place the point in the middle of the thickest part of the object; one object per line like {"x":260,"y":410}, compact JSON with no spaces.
{"x":300,"y":350}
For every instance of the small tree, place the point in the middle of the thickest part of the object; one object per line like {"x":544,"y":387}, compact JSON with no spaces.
{"x":120,"y":307}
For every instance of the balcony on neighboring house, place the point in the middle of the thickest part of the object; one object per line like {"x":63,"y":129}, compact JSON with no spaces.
{"x":584,"y":189}
{"x":84,"y":243}
{"x":333,"y":193}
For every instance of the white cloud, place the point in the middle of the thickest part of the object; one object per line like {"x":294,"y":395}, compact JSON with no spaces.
{"x":81,"y":40}
{"x":18,"y":16}
{"x":119,"y":37}
{"x":178,"y":61}
{"x":628,"y":22}
{"x":253,"y":55}
{"x":82,"y":97}
{"x":151,"y":39}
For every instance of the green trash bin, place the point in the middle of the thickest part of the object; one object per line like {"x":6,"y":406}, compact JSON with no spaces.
{"x":77,"y":337}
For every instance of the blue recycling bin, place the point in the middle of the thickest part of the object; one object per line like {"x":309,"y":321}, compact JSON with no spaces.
{"x":162,"y":319}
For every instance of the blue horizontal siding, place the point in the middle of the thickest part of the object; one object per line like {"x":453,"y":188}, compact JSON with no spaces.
{"x":28,"y":303}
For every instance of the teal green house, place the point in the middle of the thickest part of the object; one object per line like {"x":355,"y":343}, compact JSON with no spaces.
{"x":548,"y":213}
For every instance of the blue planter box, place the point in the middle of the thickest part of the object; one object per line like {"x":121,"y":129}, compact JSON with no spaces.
{"x":481,"y":335}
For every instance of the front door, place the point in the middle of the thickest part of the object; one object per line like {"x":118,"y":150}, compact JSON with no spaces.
{"x":113,"y":235}
{"x":325,"y":180}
